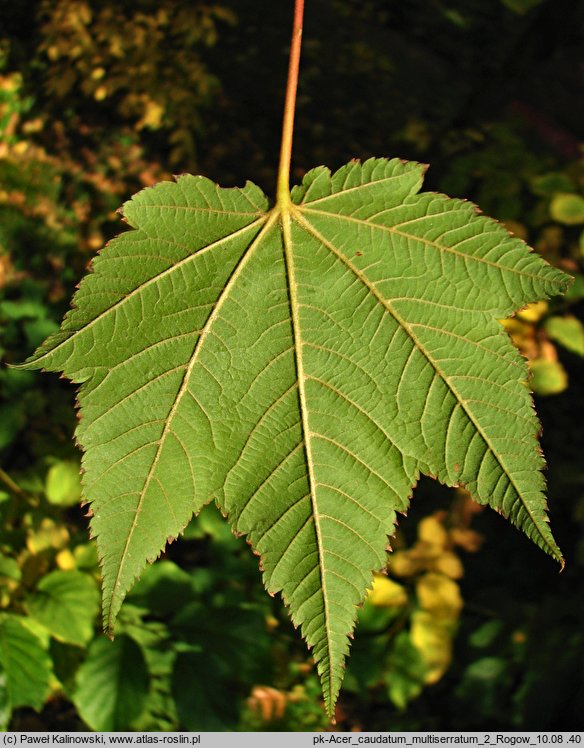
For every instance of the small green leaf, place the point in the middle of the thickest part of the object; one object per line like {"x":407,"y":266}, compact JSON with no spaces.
{"x":63,"y":484}
{"x":485,"y":634}
{"x":112,"y":685}
{"x":568,"y":331}
{"x":66,"y":603}
{"x":25,"y":663}
{"x":9,"y":568}
{"x":26,"y":309}
{"x":548,"y":377}
{"x":568,"y":208}
{"x":486,"y":669}
{"x":406,"y":673}
{"x":547,"y":184}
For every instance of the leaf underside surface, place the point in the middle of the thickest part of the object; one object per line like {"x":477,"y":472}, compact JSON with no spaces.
{"x":301,"y":367}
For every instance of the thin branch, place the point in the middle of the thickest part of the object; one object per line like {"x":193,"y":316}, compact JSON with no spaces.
{"x":9,"y":483}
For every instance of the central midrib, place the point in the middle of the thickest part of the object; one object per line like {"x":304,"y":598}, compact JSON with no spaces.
{"x":312,"y":483}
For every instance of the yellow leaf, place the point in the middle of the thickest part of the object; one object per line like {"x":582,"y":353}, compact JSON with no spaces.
{"x":49,"y":535}
{"x":152,"y":116}
{"x":433,"y":640}
{"x":567,"y":208}
{"x":439,"y":595}
{"x":386,"y":593}
{"x":534,"y":312}
{"x":512,"y":325}
{"x":65,"y":560}
{"x":431,"y":530}
{"x":403,"y":565}
{"x":449,"y":564}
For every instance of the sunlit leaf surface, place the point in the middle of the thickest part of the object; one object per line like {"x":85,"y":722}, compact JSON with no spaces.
{"x":301,"y":366}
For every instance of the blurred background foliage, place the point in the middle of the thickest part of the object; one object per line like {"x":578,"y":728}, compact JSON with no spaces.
{"x":472,"y":627}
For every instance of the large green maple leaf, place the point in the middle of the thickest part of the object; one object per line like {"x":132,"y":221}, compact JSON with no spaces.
{"x":301,"y":366}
